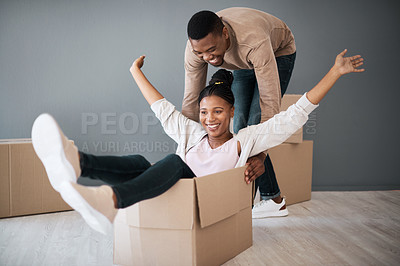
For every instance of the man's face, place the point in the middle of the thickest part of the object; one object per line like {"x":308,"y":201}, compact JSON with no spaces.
{"x":211,"y":48}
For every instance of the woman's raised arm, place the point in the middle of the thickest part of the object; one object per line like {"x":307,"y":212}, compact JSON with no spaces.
{"x":343,"y":65}
{"x":150,"y":93}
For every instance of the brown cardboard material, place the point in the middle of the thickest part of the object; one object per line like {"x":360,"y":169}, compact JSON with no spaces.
{"x":4,"y":182}
{"x":293,"y":168}
{"x":199,"y":221}
{"x":288,"y":100}
{"x":25,"y":188}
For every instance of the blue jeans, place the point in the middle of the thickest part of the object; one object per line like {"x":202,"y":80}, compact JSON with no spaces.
{"x":248,"y":112}
{"x":132,"y":177}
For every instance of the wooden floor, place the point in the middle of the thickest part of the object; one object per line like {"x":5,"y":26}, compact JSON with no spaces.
{"x":334,"y":228}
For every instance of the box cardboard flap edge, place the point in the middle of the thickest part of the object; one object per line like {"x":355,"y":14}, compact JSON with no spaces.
{"x":14,"y":141}
{"x":171,"y":210}
{"x":216,"y":204}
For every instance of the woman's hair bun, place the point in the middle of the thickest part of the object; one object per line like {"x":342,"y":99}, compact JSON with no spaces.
{"x":223,"y":76}
{"x":220,"y":85}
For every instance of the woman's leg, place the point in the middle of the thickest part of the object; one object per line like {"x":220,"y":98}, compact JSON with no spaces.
{"x":112,"y":169}
{"x":153,"y":182}
{"x":97,"y":205}
{"x":58,"y":154}
{"x":64,"y":163}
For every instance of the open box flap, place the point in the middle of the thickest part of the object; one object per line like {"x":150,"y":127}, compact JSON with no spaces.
{"x":15,"y":141}
{"x":173,"y":209}
{"x":222,"y":195}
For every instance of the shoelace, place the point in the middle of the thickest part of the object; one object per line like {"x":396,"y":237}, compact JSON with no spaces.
{"x":260,"y":203}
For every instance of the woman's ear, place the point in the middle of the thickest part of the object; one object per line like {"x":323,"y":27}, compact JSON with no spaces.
{"x":232,"y":111}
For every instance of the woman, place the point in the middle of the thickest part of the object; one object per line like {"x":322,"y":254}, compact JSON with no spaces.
{"x":203,"y":148}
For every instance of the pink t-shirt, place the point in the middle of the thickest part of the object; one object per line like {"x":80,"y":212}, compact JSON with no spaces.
{"x":203,"y":160}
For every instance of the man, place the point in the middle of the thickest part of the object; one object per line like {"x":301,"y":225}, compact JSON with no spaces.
{"x":261,"y":50}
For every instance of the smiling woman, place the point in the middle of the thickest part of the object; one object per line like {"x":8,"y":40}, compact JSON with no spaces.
{"x":203,"y":148}
{"x":215,"y":115}
{"x":216,"y":108}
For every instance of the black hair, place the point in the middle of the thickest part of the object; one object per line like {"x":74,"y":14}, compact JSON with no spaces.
{"x":219,"y":85}
{"x":202,"y":23}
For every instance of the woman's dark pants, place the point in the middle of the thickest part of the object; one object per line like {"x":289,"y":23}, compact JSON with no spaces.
{"x":132,"y":177}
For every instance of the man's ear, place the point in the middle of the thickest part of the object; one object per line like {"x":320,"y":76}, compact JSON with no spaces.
{"x":232,"y":111}
{"x":225,"y":33}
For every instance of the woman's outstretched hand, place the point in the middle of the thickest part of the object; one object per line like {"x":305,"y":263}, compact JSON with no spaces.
{"x":348,"y":64}
{"x":149,"y":92}
{"x":138,"y":63}
{"x":342,"y":66}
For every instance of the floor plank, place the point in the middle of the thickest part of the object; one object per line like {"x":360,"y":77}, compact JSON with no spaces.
{"x":334,"y":228}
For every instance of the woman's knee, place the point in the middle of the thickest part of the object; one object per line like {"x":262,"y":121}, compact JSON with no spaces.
{"x":173,"y":161}
{"x":137,"y":158}
{"x":173,"y":158}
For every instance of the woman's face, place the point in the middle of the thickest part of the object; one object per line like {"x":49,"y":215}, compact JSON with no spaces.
{"x":215,"y":115}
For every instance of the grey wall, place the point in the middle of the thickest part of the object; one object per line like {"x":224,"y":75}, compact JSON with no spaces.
{"x":72,"y":59}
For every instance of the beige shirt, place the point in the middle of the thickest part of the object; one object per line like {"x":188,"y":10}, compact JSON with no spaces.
{"x":256,"y":38}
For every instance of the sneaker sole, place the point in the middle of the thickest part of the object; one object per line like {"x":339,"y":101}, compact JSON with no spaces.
{"x":48,"y":145}
{"x":281,"y":213}
{"x":92,"y":217}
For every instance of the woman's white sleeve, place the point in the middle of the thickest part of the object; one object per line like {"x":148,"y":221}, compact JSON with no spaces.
{"x":279,"y":128}
{"x":175,"y":124}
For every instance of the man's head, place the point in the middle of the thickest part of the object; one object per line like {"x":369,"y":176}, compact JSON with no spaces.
{"x":208,"y":36}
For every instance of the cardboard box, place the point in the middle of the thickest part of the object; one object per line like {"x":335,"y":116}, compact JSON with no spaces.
{"x":199,"y":221}
{"x":288,"y":100}
{"x":24,"y":186}
{"x":293,"y":169}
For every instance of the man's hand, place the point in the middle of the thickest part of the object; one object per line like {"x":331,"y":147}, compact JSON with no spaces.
{"x":255,"y":167}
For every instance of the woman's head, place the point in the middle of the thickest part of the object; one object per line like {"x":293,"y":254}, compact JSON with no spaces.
{"x":216,"y":104}
{"x":219,"y":85}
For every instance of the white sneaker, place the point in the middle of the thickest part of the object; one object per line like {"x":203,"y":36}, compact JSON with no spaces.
{"x":58,"y":155}
{"x":95,"y":204}
{"x":268,"y":208}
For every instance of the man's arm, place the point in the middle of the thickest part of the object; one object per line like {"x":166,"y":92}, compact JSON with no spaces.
{"x":195,"y":81}
{"x":266,"y":71}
